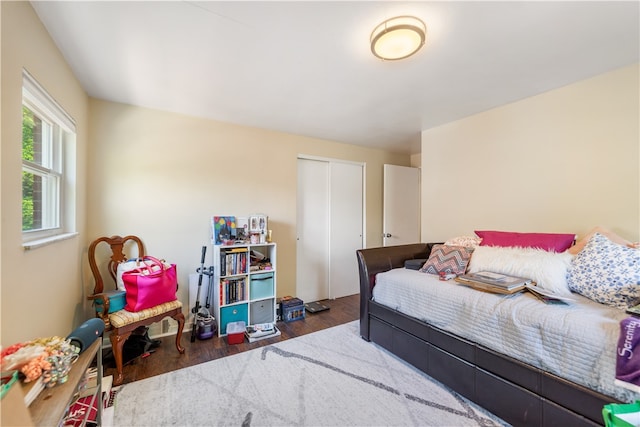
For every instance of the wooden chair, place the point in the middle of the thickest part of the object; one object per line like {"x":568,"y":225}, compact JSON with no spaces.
{"x":122,"y":323}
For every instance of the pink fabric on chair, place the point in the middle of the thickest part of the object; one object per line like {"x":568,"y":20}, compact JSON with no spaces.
{"x":150,"y":285}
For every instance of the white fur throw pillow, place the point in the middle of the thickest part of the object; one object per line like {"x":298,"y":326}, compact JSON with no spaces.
{"x":547,"y":269}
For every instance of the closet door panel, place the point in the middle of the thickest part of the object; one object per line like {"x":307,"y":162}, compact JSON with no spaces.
{"x":345,"y":228}
{"x":312,"y":269}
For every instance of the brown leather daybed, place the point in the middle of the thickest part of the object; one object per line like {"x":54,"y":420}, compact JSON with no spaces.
{"x":519,"y":393}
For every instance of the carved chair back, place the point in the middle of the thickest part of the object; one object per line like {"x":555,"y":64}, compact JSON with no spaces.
{"x":118,"y":255}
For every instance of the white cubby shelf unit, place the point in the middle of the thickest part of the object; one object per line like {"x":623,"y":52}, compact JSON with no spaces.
{"x":244,"y":284}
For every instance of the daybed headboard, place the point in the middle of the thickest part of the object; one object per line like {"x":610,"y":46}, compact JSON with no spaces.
{"x":376,"y":260}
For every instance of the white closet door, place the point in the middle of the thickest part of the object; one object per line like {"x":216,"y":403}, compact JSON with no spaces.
{"x":330,"y":228}
{"x":312,"y":268}
{"x":346,"y":228}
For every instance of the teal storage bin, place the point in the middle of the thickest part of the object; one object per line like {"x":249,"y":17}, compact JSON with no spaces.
{"x":621,"y":414}
{"x":117,"y":301}
{"x":261,"y":286}
{"x":233,"y":313}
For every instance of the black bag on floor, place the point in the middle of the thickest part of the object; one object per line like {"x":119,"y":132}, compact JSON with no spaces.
{"x":135,"y":346}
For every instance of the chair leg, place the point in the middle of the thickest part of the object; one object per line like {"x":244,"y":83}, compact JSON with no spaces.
{"x":179,"y":317}
{"x":117,"y":342}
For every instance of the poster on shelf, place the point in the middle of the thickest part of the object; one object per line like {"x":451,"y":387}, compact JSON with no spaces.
{"x":258,"y":223}
{"x":224,"y":229}
{"x":242,"y":228}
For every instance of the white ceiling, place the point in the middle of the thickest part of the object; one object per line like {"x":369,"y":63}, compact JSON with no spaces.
{"x":306,"y":68}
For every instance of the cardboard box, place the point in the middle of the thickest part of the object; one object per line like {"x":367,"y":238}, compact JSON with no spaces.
{"x":235,"y":332}
{"x":290,"y":302}
{"x":292,"y":309}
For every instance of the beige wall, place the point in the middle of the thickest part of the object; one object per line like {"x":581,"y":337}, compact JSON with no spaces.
{"x":562,"y":161}
{"x":145,"y":172}
{"x":416,"y":160}
{"x":41,"y":290}
{"x":162,"y":176}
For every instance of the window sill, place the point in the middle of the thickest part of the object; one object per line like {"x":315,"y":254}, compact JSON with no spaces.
{"x":34,"y":244}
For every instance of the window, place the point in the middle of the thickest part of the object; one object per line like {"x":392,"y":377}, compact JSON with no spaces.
{"x":48,"y":174}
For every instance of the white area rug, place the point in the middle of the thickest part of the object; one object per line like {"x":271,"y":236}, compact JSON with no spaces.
{"x":328,"y":378}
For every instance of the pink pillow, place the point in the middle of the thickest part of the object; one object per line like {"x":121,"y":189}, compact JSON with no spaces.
{"x":555,"y":242}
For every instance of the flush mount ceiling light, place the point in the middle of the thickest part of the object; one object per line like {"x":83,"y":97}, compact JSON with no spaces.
{"x":398,"y":38}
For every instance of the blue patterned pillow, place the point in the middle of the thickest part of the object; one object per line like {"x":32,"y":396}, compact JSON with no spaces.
{"x":606,"y":272}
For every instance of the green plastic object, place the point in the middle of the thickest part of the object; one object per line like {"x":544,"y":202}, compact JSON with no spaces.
{"x":620,"y":414}
{"x":8,"y":378}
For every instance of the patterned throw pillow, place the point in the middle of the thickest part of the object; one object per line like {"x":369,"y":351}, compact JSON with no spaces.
{"x":447,"y":259}
{"x":468,"y":241}
{"x":606,"y":272}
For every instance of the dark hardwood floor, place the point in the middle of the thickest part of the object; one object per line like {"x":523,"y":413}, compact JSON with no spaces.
{"x":166,"y":358}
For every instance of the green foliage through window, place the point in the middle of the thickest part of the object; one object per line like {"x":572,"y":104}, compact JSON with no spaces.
{"x":28,"y":124}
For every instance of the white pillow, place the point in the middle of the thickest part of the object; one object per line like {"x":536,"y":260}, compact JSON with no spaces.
{"x":547,"y":269}
{"x":606,"y":272}
{"x":466,"y":241}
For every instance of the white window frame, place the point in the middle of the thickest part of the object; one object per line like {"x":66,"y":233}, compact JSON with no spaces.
{"x":57,"y":167}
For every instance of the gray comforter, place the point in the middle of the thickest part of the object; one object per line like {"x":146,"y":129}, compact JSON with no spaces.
{"x":576,"y":342}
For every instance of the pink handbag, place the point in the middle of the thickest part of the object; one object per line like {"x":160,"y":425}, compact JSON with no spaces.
{"x":153,"y":283}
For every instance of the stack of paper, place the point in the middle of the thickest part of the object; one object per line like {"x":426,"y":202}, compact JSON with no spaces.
{"x":261,"y":331}
{"x":32,"y":390}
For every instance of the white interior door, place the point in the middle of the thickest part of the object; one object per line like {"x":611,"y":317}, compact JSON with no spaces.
{"x":346,"y":228}
{"x":401,"y":205}
{"x":312,"y":268}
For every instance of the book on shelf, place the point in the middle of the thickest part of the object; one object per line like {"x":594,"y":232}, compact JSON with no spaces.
{"x":234,"y":250}
{"x":496,"y":279}
{"x":494,"y":282}
{"x":233,"y":262}
{"x":32,"y":390}
{"x":233,"y":290}
{"x":261,"y":331}
{"x":548,"y":297}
